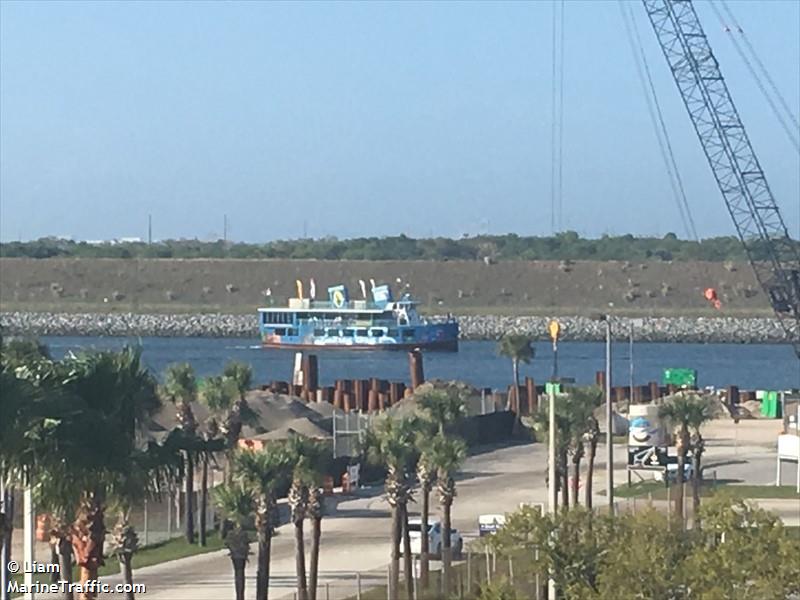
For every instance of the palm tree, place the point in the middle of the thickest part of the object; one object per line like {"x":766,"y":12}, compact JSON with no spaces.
{"x":441,"y":406}
{"x":308,"y":458}
{"x":702,"y":411}
{"x":263,"y":473}
{"x":241,"y":377}
{"x":519,"y":349}
{"x":592,"y":437}
{"x":685,"y":412}
{"x":394,"y":446}
{"x":181,"y":387}
{"x":118,"y":395}
{"x":579,"y":407}
{"x":446,"y":455}
{"x":236,"y":502}
{"x":425,"y":475}
{"x":318,"y":458}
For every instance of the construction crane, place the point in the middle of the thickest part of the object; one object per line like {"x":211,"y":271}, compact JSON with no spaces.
{"x":772,"y":253}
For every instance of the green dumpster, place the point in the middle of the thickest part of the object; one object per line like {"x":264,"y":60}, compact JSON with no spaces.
{"x":770,"y":405}
{"x":680,"y":377}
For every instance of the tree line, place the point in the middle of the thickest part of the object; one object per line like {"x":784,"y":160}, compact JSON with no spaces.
{"x":564,"y":246}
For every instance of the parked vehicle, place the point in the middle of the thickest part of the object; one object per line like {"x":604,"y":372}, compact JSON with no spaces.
{"x":489,"y":524}
{"x":434,"y":538}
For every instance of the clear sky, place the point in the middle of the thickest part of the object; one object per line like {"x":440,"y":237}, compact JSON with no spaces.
{"x":354,"y":119}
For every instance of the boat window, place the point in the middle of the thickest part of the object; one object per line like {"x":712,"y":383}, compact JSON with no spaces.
{"x":408,"y":334}
{"x":348,"y":333}
{"x":393,"y":333}
{"x":280,"y":331}
{"x":361,"y":332}
{"x":291,"y":331}
{"x":264,"y":318}
{"x":319,"y":332}
{"x":376,"y":332}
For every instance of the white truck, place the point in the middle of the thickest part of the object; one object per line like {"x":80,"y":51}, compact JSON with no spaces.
{"x":434,"y":538}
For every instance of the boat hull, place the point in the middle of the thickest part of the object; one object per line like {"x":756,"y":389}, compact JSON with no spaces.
{"x":437,"y":345}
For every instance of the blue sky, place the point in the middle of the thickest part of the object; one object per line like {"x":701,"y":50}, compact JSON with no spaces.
{"x":353,"y":119}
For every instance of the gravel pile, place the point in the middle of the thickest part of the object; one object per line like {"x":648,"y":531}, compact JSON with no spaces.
{"x":656,"y":329}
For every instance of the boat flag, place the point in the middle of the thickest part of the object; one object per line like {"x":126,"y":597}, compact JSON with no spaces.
{"x":312,"y":289}
{"x":363,"y":287}
{"x":299,"y":289}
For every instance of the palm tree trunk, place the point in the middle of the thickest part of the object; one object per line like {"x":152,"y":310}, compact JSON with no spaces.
{"x":203,"y":500}
{"x":54,"y":577}
{"x":515,"y":365}
{"x":587,"y":484}
{"x":446,"y":565}
{"x":87,"y":541}
{"x":300,"y":560}
{"x":63,"y":547}
{"x":313,"y":567}
{"x":424,"y":540}
{"x":264,"y":552}
{"x":576,"y":476}
{"x":238,"y":577}
{"x":679,"y":485}
{"x":126,"y":568}
{"x":564,"y":475}
{"x":408,"y":572}
{"x":394,"y":565}
{"x":189,"y":500}
{"x":697,"y":479}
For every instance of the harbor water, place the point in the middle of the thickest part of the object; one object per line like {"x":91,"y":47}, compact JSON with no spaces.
{"x":750,"y":366}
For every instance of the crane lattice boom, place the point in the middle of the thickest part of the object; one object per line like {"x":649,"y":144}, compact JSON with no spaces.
{"x":772,"y":253}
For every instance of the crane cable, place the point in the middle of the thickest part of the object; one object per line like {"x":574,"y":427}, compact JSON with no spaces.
{"x":761,"y":65}
{"x":561,"y":124}
{"x":557,"y":119}
{"x":657,"y":120}
{"x":790,"y":133}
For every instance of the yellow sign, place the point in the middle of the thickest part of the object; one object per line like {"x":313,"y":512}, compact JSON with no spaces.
{"x":554,"y":328}
{"x":338,"y":298}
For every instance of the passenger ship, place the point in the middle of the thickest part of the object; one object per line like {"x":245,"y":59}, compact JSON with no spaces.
{"x":339,"y":322}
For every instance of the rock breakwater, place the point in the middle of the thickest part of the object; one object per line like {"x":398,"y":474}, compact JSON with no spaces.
{"x":485,"y":327}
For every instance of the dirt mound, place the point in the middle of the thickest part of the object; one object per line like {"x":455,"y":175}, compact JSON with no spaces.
{"x":511,"y":287}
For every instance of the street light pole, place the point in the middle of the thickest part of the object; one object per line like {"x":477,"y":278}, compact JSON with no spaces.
{"x":609,"y":422}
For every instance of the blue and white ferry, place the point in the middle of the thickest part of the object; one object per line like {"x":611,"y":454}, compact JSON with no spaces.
{"x":339,"y":322}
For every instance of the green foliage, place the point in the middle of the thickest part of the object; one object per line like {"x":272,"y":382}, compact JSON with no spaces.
{"x":498,"y":590}
{"x":442,"y":407}
{"x":235,"y":501}
{"x":688,"y":411}
{"x":564,"y":246}
{"x":180,"y":382}
{"x":446,"y":455}
{"x":741,"y":552}
{"x":518,"y":348}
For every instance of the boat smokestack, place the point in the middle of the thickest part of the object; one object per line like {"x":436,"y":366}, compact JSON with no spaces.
{"x":299,"y":289}
{"x":363,"y":287}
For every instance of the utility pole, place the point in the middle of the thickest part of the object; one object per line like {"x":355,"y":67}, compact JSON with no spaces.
{"x":149,"y":230}
{"x":225,"y":228}
{"x":630,"y":353}
{"x":609,"y":422}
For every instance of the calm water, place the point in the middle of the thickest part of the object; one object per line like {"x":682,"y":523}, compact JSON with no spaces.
{"x":752,"y":366}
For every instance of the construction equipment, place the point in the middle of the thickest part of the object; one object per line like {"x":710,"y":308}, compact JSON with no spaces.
{"x":772,"y":253}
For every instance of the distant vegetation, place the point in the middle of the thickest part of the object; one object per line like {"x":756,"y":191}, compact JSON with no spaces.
{"x":564,"y":246}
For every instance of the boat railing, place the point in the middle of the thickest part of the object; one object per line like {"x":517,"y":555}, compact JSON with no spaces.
{"x":350,"y":305}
